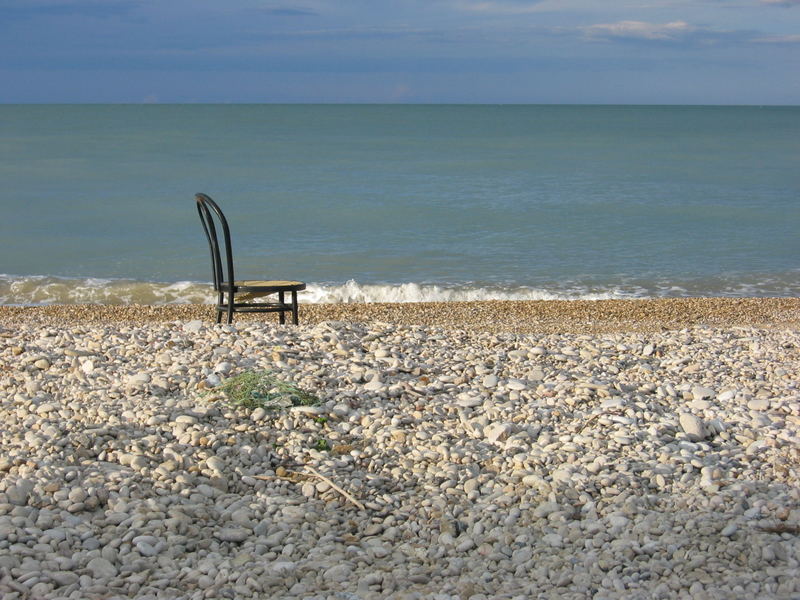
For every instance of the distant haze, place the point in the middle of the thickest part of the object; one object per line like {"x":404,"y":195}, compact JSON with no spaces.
{"x":400,"y":51}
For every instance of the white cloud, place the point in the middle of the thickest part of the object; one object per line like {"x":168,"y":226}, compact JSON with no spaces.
{"x":639,"y":30}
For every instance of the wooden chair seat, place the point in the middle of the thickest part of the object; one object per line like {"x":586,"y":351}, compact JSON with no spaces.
{"x":252,"y":288}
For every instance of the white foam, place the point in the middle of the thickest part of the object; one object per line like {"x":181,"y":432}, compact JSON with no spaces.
{"x":352,"y":292}
{"x":38,"y":289}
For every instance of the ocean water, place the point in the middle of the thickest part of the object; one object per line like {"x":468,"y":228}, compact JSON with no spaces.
{"x":401,"y":203}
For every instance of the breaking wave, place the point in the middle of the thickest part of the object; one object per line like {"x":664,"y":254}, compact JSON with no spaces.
{"x":39,"y":289}
{"x":415,"y":292}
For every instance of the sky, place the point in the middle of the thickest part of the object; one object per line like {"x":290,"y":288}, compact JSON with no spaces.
{"x":400,"y":51}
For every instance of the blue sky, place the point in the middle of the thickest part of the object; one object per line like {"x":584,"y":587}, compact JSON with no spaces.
{"x":438,"y":51}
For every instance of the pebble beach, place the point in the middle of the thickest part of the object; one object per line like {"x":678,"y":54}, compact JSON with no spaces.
{"x":458,"y":451}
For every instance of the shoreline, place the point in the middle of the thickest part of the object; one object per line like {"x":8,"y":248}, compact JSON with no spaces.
{"x":494,"y":316}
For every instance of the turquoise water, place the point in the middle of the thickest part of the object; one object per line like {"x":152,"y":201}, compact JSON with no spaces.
{"x":402,"y":202}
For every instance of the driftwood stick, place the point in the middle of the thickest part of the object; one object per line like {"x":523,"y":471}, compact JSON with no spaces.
{"x":781,"y":527}
{"x":287,"y":476}
{"x":336,"y":487}
{"x":589,"y":421}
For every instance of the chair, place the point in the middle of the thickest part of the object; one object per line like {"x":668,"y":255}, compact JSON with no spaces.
{"x":236,"y":296}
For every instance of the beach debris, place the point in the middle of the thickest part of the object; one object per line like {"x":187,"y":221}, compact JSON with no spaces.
{"x":262,"y":389}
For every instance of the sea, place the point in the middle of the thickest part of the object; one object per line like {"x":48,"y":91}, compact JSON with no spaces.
{"x":401,"y":203}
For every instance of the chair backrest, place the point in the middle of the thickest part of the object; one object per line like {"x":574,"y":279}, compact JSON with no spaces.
{"x":209,"y":214}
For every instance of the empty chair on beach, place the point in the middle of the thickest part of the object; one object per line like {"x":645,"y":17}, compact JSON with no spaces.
{"x":238,"y":296}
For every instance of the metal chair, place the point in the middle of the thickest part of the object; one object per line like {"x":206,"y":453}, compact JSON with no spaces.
{"x":236,"y":296}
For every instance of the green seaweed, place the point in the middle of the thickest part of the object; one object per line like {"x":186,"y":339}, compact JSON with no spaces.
{"x":322,"y":445}
{"x":254,"y":389}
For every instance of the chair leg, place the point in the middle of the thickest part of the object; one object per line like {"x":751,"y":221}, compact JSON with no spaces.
{"x":220,"y":300}
{"x":294,"y":308}
{"x":230,"y":308}
{"x":282,"y":313}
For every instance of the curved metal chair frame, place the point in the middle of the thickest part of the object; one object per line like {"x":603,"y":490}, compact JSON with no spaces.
{"x":225,"y":283}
